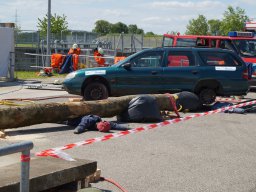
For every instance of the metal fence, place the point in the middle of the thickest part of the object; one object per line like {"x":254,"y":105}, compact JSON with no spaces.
{"x":33,"y":38}
{"x":131,"y":42}
{"x":33,"y":42}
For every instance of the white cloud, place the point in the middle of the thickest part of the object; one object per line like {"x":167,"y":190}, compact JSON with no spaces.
{"x":186,"y":5}
{"x":114,"y":13}
{"x":249,"y":2}
{"x":151,"y":19}
{"x":161,"y":20}
{"x":162,"y":25}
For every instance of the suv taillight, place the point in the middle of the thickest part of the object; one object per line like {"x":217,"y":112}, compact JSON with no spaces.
{"x":246,"y":75}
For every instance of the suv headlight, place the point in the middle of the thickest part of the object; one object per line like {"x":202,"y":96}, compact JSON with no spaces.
{"x":71,"y":75}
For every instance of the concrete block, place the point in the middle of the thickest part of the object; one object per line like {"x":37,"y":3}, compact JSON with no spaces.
{"x":46,"y":173}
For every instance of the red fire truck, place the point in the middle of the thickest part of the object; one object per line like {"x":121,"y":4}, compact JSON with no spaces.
{"x":250,"y":26}
{"x":243,"y":43}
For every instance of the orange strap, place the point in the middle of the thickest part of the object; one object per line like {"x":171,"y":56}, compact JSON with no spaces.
{"x":173,"y":104}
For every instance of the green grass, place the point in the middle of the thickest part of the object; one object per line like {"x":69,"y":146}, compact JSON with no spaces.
{"x":26,"y":45}
{"x":34,"y":75}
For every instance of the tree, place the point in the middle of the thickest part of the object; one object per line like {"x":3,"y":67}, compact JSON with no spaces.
{"x":214,"y":26}
{"x":198,"y":26}
{"x":140,"y":31}
{"x":134,"y":29}
{"x":119,"y":28}
{"x":233,"y":20}
{"x":150,"y":33}
{"x":103,"y":27}
{"x":58,"y":24}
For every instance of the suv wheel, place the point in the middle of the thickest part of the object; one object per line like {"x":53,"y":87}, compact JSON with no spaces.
{"x":207,"y":96}
{"x":95,"y":91}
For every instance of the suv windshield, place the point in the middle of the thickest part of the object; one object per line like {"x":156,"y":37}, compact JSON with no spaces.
{"x":247,"y":47}
{"x":126,"y":59}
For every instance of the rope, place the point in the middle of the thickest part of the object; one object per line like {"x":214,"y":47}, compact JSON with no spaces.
{"x":11,"y":103}
{"x":42,"y":98}
{"x":173,"y":104}
{"x":113,"y":182}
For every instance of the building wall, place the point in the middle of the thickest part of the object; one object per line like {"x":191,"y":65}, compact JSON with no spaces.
{"x":6,"y":50}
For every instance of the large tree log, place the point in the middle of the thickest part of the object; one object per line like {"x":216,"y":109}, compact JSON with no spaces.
{"x":14,"y":117}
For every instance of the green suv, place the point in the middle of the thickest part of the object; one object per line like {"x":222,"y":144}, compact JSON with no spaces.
{"x":206,"y":72}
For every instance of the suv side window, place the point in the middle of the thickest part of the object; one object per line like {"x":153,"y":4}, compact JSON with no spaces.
{"x":219,"y":59}
{"x":185,"y":42}
{"x":180,"y":59}
{"x":149,"y":59}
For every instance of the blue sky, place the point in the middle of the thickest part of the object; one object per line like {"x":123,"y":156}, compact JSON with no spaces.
{"x":158,"y":16}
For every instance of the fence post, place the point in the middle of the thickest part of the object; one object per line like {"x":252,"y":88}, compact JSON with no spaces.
{"x":24,"y":148}
{"x":122,"y":41}
{"x":25,"y":165}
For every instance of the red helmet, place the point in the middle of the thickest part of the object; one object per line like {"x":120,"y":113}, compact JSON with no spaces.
{"x":103,"y":126}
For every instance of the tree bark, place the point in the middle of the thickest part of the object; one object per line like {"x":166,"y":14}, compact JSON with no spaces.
{"x":31,"y":114}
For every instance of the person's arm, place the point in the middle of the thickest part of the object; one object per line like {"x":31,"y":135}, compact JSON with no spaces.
{"x":78,"y":51}
{"x":116,"y":126}
{"x":71,"y":51}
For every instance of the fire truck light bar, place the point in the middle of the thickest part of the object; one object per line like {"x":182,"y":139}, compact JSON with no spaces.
{"x":240,"y":34}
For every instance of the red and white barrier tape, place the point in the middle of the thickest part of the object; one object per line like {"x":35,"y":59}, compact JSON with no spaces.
{"x":57,"y":152}
{"x":233,"y":100}
{"x":24,"y":158}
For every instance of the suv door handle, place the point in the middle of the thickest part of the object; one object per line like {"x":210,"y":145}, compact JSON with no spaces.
{"x":194,"y":72}
{"x":153,"y":72}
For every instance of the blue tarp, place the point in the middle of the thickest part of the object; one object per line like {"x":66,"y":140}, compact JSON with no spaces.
{"x":67,"y":66}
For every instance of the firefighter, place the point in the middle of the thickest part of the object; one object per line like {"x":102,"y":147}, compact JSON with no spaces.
{"x":74,"y":50}
{"x":98,"y":56}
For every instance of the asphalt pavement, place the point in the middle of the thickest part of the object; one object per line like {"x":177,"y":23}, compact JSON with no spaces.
{"x":211,"y":153}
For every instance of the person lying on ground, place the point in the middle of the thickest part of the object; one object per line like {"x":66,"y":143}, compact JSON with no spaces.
{"x":93,"y":122}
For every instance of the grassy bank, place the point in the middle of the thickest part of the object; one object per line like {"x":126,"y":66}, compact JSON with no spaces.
{"x":35,"y":75}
